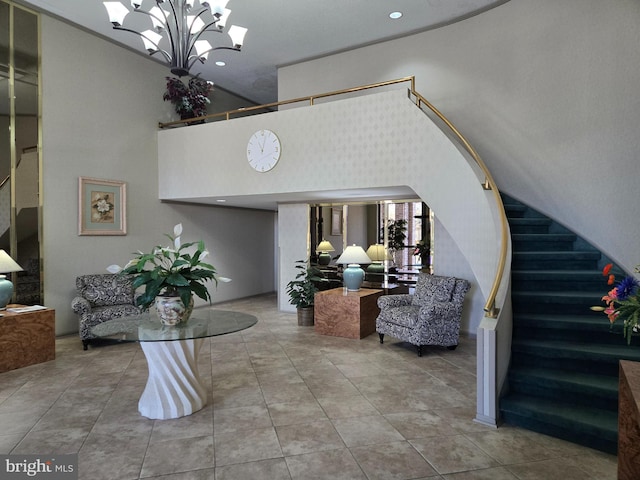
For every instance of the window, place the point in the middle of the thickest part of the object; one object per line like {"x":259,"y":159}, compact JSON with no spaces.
{"x":407,"y":224}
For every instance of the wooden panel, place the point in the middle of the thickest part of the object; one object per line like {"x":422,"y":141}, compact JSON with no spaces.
{"x":629,"y":421}
{"x":26,"y":339}
{"x":350,"y":314}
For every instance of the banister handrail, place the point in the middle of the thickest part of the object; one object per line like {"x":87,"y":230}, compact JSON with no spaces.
{"x":311,"y":99}
{"x":8,"y":177}
{"x":489,"y":183}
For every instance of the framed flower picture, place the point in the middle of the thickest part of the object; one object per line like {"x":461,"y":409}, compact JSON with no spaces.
{"x":336,"y":221}
{"x":102,"y":207}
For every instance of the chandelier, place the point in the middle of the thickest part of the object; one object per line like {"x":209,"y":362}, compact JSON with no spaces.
{"x":180,"y":24}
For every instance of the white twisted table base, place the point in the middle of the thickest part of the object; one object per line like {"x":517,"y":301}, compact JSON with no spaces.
{"x":173,"y":388}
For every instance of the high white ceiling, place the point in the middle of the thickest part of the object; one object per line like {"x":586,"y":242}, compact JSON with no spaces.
{"x":282,"y":32}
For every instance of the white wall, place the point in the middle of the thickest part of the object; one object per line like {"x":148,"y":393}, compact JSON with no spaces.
{"x":545,"y":90}
{"x":356,"y":226}
{"x":357,"y":139}
{"x":101,"y":106}
{"x":293,"y":220}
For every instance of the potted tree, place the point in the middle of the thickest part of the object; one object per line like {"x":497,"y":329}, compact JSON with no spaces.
{"x":302,"y":290}
{"x":396,"y":234}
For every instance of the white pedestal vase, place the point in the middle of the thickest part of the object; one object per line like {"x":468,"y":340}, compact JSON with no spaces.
{"x":174,"y":388}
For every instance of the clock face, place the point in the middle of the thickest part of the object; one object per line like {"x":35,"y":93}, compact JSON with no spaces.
{"x":263,"y":150}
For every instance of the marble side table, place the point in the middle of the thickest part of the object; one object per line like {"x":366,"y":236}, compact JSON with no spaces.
{"x":342,"y":313}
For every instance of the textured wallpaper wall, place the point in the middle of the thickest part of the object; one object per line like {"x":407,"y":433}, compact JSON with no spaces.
{"x":377,"y":140}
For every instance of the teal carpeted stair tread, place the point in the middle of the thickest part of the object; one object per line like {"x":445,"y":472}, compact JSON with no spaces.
{"x":593,"y":322}
{"x":564,"y":327}
{"x":559,"y":256}
{"x":578,"y":275}
{"x":592,"y":420}
{"x":529,"y":221}
{"x":596,"y":428}
{"x":574,"y":296}
{"x":569,"y":302}
{"x":529,"y":225}
{"x":555,"y":279}
{"x":576,"y":382}
{"x":543,"y":237}
{"x":604,"y":353}
{"x":546,"y":260}
{"x":514,"y":210}
{"x":549,"y":242}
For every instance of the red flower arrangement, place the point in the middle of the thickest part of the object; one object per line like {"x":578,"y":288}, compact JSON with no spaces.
{"x":623,"y":301}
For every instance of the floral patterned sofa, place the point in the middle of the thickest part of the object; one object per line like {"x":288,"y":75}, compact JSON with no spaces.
{"x":100,"y":298}
{"x":430,"y":316}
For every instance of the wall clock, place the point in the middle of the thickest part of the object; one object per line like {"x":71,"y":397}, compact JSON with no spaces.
{"x":263,"y":150}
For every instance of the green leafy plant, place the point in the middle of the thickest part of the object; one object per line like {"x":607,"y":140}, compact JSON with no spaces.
{"x":396,"y":234}
{"x":190,"y":100}
{"x":171,"y":271}
{"x":303,"y":289}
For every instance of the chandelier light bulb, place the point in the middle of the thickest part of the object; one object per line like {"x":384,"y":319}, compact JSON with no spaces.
{"x":237,"y":35}
{"x":116,"y":11}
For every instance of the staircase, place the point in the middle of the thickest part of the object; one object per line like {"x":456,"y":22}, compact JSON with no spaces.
{"x":563,"y":377}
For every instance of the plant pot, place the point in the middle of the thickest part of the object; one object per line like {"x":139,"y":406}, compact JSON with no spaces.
{"x":305,"y":316}
{"x":171,"y":310}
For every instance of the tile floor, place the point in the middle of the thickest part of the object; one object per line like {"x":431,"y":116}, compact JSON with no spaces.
{"x":286,"y":404}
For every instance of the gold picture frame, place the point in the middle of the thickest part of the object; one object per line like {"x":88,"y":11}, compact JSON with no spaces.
{"x":102,"y":207}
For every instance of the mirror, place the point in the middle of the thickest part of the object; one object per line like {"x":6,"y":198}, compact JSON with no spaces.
{"x":19,"y":152}
{"x":403,"y":227}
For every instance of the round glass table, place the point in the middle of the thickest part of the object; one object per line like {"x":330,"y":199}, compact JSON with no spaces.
{"x":174,"y":388}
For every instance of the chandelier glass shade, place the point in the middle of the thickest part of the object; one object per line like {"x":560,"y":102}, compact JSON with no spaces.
{"x":178,"y":27}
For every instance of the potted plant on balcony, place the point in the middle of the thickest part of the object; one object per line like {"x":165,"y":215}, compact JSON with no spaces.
{"x":302,"y":290}
{"x":190,"y":100}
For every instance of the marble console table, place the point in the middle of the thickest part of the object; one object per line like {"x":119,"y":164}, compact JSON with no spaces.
{"x":629,"y":421}
{"x":346,"y":314}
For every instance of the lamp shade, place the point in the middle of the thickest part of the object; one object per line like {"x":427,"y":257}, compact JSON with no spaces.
{"x":354,"y":254}
{"x":7,"y":265}
{"x":378,"y":253}
{"x":323,"y":248}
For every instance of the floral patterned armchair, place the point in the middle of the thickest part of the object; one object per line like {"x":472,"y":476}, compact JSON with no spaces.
{"x":431,"y":316}
{"x":101,"y":298}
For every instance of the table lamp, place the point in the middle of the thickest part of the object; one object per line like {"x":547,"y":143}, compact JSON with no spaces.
{"x":378,"y":254}
{"x":7,"y":265}
{"x":324,"y":248}
{"x":353,"y":275}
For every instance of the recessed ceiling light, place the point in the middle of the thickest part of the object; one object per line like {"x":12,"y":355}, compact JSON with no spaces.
{"x":221,"y":200}
{"x":220,"y":63}
{"x":395,"y":15}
